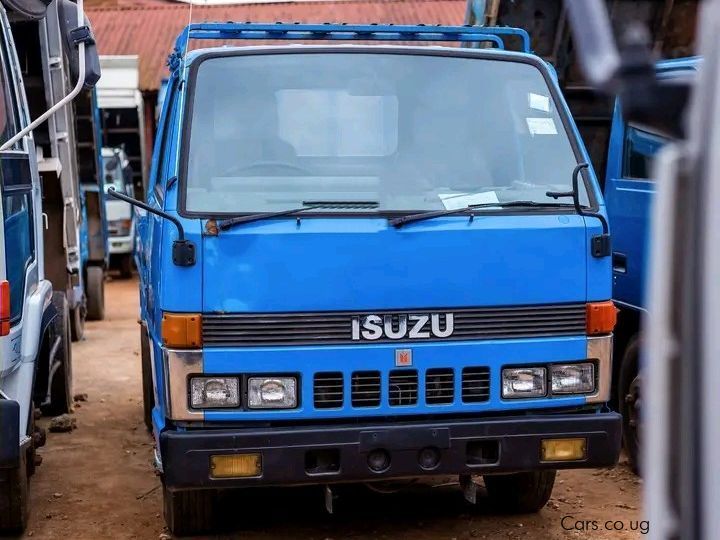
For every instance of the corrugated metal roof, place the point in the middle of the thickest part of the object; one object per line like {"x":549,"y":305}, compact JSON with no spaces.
{"x":148,"y":28}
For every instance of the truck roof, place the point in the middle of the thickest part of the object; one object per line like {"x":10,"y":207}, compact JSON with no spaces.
{"x":499,"y":37}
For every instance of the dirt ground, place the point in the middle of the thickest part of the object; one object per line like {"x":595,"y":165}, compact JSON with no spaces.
{"x":98,"y":481}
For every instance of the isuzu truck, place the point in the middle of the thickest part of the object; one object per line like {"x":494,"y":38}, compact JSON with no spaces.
{"x":362,"y":262}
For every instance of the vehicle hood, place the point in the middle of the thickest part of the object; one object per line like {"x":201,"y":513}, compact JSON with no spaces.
{"x":336,"y":264}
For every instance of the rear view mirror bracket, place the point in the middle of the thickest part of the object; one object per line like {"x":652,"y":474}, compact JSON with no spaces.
{"x":183,"y":250}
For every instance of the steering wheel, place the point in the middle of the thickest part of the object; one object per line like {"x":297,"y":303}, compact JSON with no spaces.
{"x":266,"y":165}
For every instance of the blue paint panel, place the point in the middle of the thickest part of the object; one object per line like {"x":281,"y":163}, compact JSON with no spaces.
{"x":309,"y":360}
{"x":351,"y":264}
{"x":19,"y":247}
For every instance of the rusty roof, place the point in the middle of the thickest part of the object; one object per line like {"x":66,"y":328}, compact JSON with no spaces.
{"x":148,"y":28}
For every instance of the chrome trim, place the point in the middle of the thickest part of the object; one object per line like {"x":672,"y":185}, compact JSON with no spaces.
{"x":179,"y":365}
{"x":600,"y":349}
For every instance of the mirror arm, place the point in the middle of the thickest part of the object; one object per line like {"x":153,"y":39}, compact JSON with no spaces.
{"x":64,"y":101}
{"x":600,"y":246}
{"x":183,"y":249}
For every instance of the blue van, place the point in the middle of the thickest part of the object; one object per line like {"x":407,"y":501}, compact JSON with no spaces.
{"x":629,"y":191}
{"x":362,"y":262}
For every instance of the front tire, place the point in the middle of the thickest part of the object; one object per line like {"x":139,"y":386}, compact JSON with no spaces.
{"x":126,"y":266}
{"x":629,"y":402}
{"x":95,"y":291}
{"x":520,"y":493}
{"x":77,"y":323}
{"x":14,"y":509}
{"x":190,"y":512}
{"x":61,"y":384}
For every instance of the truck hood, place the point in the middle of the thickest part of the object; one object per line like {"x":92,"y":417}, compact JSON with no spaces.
{"x":323,"y":264}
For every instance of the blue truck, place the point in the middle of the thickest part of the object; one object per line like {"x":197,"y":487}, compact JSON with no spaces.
{"x":362,"y":262}
{"x":629,"y":191}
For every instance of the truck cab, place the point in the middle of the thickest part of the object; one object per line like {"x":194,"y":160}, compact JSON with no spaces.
{"x":629,"y":193}
{"x":367,"y":262}
{"x":120,"y":221}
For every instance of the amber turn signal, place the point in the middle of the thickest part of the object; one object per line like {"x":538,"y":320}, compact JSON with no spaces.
{"x":600,"y":317}
{"x":235,"y":466}
{"x":563,"y":449}
{"x":182,"y":330}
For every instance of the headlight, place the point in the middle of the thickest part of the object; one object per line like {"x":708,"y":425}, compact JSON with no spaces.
{"x":572,"y":378}
{"x":213,"y":392}
{"x":526,"y":382}
{"x":272,"y":392}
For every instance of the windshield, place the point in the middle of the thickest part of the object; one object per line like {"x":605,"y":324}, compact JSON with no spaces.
{"x":411,"y":132}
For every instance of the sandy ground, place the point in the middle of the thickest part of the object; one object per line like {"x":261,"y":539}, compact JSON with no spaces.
{"x":98,"y":481}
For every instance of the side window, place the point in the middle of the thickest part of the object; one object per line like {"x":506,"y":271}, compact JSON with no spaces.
{"x":18,"y":227}
{"x":167,"y":135}
{"x":640,"y":149}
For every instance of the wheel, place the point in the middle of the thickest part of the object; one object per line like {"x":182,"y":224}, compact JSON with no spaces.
{"x":629,"y":402}
{"x":147,"y":380}
{"x":95,"y":291}
{"x":61,"y":384}
{"x":77,"y":323}
{"x":14,"y":508}
{"x":520,"y":493}
{"x":126,"y":266}
{"x":190,"y":512}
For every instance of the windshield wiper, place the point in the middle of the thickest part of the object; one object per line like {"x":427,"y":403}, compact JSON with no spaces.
{"x":307,"y":205}
{"x":399,"y":222}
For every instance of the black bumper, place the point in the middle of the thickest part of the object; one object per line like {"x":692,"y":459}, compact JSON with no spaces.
{"x":339,"y":453}
{"x":9,"y":433}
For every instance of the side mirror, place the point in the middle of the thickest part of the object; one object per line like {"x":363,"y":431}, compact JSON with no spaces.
{"x":30,"y":9}
{"x":72,"y":35}
{"x":183,"y":251}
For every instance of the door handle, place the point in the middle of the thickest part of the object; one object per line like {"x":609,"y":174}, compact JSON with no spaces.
{"x":619,"y":263}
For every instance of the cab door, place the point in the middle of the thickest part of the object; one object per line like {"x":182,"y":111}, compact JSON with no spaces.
{"x":629,"y":191}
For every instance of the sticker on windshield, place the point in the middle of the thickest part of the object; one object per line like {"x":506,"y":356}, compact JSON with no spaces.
{"x":541,"y":126}
{"x":539,"y":102}
{"x":452,"y":201}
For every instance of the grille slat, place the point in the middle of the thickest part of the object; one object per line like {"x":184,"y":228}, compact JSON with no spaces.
{"x":328,"y":390}
{"x":475,"y":384}
{"x":439,"y":386}
{"x":403,"y":387}
{"x":365,"y":388}
{"x":263,"y":329}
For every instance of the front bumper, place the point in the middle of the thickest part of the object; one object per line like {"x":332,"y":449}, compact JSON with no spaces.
{"x":290,"y":455}
{"x":9,"y":433}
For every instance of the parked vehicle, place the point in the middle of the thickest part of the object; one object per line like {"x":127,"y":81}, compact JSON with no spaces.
{"x":356,"y":275}
{"x":123,"y":113}
{"x":629,"y":192}
{"x":35,"y":314}
{"x":121,"y":225}
{"x":68,"y":148}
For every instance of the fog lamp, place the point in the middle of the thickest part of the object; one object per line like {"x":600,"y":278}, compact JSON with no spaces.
{"x":563,"y":449}
{"x":272,"y":392}
{"x":525,"y":382}
{"x":572,"y":378}
{"x":235,"y":465}
{"x":214,"y":392}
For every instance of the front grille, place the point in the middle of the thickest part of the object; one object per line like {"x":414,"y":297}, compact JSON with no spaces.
{"x":328,"y":390}
{"x":272,"y":329}
{"x":439,"y":386}
{"x":475,"y":384}
{"x":365,"y":388}
{"x":403,"y":387}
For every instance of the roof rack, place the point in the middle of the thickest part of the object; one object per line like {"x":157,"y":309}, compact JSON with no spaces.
{"x":347,"y":32}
